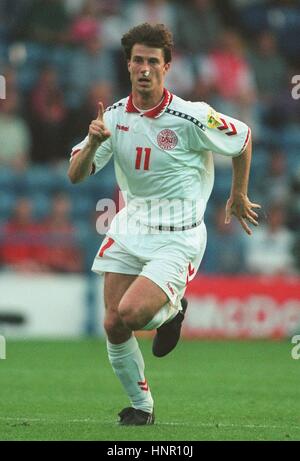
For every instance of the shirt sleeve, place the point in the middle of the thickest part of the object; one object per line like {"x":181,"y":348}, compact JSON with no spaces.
{"x":103,"y":153}
{"x":219,"y":133}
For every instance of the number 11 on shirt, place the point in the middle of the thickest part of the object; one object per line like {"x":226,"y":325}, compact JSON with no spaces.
{"x":139,"y":156}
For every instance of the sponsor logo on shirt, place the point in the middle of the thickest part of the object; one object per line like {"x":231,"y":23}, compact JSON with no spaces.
{"x":122,"y":127}
{"x":167,"y":139}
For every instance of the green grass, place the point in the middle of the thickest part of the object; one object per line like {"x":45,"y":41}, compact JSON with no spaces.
{"x":203,"y":391}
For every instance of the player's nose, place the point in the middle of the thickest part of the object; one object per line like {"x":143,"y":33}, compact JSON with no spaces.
{"x":145,"y":68}
{"x":145,"y":72}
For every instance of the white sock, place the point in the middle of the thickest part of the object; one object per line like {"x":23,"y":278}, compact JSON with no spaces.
{"x":165,"y":314}
{"x":128,"y":364}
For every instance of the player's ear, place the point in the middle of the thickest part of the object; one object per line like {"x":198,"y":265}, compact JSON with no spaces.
{"x":128,"y":65}
{"x":167,"y":66}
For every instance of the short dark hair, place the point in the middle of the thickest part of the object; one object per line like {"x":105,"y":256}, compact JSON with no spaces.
{"x":155,"y":36}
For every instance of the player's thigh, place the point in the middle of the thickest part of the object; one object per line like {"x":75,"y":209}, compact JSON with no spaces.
{"x":142,"y":299}
{"x":115,"y":286}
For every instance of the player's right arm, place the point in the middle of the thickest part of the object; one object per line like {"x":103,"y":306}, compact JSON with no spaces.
{"x":82,"y":163}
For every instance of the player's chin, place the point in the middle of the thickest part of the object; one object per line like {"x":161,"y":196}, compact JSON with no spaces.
{"x":143,"y":89}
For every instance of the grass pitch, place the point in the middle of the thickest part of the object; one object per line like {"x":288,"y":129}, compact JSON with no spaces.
{"x":204,"y":390}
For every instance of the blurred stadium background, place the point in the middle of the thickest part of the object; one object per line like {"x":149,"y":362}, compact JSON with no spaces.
{"x":58,"y":58}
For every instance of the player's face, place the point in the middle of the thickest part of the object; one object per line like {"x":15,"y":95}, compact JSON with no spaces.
{"x":149,"y":61}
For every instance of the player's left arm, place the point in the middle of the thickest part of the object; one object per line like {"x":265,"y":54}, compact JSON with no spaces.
{"x":238,"y":203}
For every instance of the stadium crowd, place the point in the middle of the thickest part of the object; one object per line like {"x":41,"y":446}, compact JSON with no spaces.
{"x":60,"y":57}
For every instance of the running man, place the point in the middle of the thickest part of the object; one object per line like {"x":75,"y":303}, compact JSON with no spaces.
{"x":161,"y":147}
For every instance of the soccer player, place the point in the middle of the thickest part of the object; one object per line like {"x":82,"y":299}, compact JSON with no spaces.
{"x":163,"y":161}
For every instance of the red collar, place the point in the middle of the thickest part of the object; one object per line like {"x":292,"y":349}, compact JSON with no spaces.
{"x":152,"y":113}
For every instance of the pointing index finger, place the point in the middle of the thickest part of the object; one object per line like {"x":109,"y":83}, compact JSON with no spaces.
{"x":100,"y":111}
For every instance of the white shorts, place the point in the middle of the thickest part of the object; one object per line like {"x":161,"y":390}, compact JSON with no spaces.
{"x":169,"y":259}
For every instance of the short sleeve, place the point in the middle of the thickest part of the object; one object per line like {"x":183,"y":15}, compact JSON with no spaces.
{"x":77,"y":148}
{"x":103,"y":153}
{"x":219,"y":133}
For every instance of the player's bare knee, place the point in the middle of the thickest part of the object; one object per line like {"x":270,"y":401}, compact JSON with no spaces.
{"x":108,"y":325}
{"x":112,"y":323}
{"x":133,"y":316}
{"x":132,"y":323}
{"x":128,"y":317}
{"x":115,"y":330}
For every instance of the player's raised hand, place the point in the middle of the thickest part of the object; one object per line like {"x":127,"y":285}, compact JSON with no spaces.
{"x":97,"y":130}
{"x":241,"y":207}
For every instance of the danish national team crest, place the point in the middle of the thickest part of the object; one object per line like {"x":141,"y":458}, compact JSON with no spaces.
{"x":167,"y":139}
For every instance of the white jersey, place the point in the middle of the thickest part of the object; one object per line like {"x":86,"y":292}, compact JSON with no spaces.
{"x":163,"y":158}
